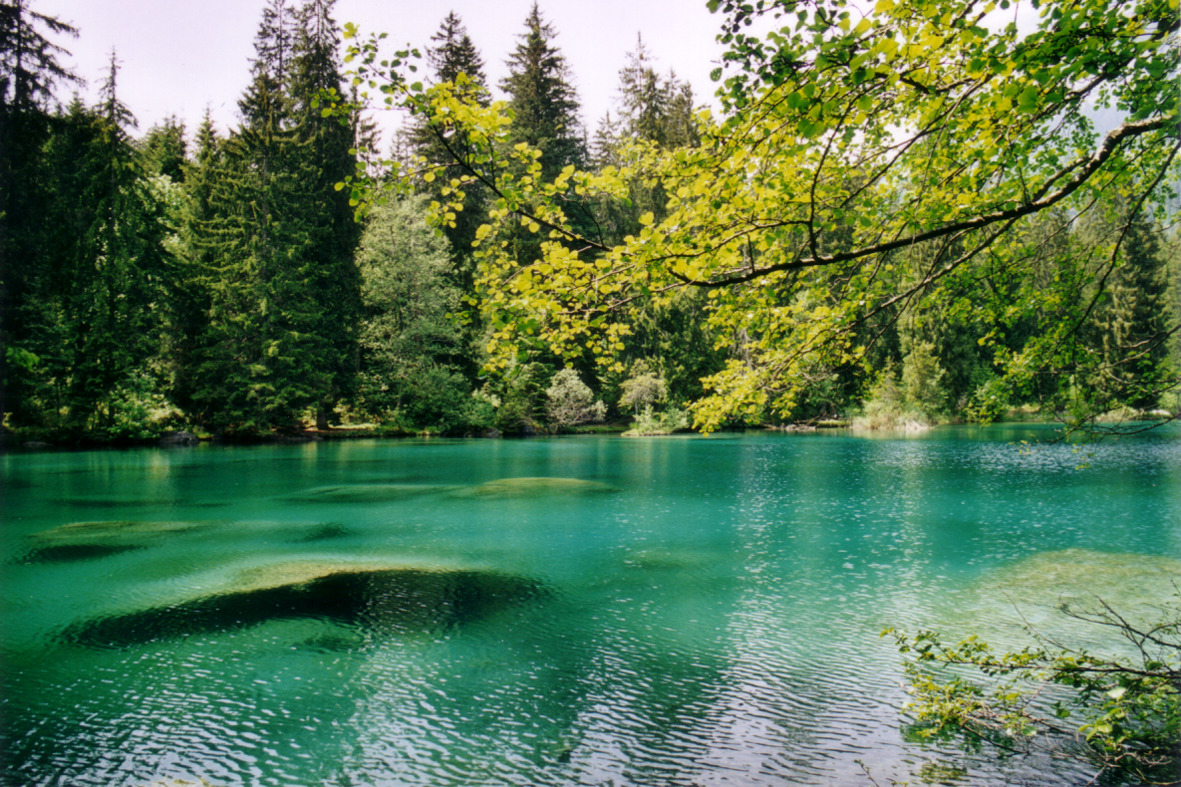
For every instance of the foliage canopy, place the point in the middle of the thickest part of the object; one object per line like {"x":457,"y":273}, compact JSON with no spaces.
{"x":867,"y":159}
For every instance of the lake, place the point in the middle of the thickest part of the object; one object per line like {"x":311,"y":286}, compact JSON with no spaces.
{"x":560,"y":611}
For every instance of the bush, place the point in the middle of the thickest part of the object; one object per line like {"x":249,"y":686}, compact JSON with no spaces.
{"x":571,"y":402}
{"x":922,"y":377}
{"x":671,"y":420}
{"x":643,"y":389}
{"x":887,"y":407}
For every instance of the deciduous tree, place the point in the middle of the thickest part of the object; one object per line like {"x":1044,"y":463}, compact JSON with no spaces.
{"x":850,"y":136}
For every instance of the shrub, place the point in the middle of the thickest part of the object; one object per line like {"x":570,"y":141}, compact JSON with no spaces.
{"x":571,"y":402}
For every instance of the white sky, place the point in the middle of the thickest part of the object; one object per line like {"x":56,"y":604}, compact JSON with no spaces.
{"x":180,"y":56}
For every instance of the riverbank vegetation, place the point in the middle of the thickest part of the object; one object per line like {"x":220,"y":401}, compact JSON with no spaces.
{"x":1121,"y":713}
{"x":905,"y":215}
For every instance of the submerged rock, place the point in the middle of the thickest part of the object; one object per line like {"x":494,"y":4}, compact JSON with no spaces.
{"x":326,"y":532}
{"x":367,"y":493}
{"x":129,"y":533}
{"x":529,"y":487}
{"x":333,"y":642}
{"x":397,"y":600}
{"x":1083,"y":575}
{"x":69,"y":553}
{"x":135,"y":502}
{"x":1046,"y":592}
{"x":661,"y":558}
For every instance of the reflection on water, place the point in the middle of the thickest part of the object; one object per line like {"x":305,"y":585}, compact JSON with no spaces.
{"x":544,"y":612}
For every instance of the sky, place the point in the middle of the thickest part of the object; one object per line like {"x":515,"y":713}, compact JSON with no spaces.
{"x":178,"y":57}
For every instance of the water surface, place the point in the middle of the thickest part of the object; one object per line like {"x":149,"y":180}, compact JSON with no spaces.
{"x":545,"y":612}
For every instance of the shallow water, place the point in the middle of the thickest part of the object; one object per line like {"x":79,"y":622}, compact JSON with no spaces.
{"x":546,"y":612}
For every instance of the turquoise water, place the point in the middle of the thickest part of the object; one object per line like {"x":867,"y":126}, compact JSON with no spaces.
{"x":679,"y":611}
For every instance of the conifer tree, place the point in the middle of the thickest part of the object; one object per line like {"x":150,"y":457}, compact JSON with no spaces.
{"x":162,"y":151}
{"x":453,"y":54}
{"x":92,"y":312}
{"x":117,"y":323}
{"x":1134,"y":325}
{"x":326,"y":145}
{"x":274,"y":41}
{"x":604,"y":147}
{"x":30,"y":67}
{"x":29,"y":61}
{"x":264,"y":364}
{"x":654,"y":108}
{"x":411,"y":352}
{"x":543,"y":100}
{"x":284,"y":299}
{"x":190,"y":286}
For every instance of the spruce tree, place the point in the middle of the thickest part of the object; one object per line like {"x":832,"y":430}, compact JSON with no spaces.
{"x":451,"y":55}
{"x":120,"y":274}
{"x":264,"y":364}
{"x":1134,"y":325}
{"x":163,"y":150}
{"x":326,"y":145}
{"x":604,"y":147}
{"x":29,"y":60}
{"x":93,"y":316}
{"x":30,"y":68}
{"x":45,"y":310}
{"x":654,"y":108}
{"x":543,"y":101}
{"x":284,"y":296}
{"x":190,"y":285}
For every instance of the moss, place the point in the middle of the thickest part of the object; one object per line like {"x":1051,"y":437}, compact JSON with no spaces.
{"x":113,"y":532}
{"x":368,"y":493}
{"x":661,"y":558}
{"x":530,"y":487}
{"x":1034,"y":593}
{"x":329,"y":531}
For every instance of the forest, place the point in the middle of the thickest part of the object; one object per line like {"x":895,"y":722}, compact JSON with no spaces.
{"x":909,"y":216}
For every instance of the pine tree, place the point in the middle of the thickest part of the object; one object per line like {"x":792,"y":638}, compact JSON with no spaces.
{"x":543,"y":101}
